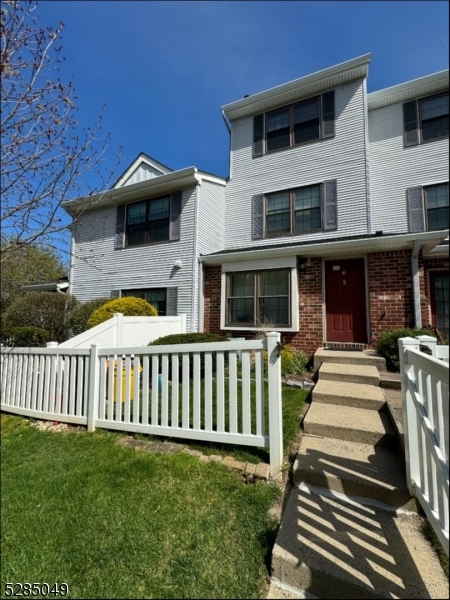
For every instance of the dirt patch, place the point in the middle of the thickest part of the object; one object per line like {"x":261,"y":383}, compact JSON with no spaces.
{"x":56,"y":426}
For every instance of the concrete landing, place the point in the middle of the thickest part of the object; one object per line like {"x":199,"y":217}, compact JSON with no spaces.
{"x":355,"y":470}
{"x":349,"y":423}
{"x":332,"y":549}
{"x":368,"y":357}
{"x":359,"y":395}
{"x":349,"y":373}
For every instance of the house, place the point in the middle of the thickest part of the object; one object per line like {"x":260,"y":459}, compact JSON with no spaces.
{"x":332,"y":225}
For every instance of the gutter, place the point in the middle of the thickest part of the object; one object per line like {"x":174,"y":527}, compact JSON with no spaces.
{"x":416,"y":283}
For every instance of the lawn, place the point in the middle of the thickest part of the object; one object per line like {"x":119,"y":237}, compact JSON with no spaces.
{"x":113,"y":523}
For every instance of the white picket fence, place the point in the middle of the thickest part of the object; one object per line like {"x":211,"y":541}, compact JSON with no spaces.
{"x":426,"y":428}
{"x":193,"y":391}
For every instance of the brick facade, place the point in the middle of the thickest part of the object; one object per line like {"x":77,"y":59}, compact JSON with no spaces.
{"x":391,"y":304}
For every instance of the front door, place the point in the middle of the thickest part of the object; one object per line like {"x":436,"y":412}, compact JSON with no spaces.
{"x":345,"y":299}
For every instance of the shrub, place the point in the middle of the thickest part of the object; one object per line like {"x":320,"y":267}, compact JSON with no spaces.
{"x":24,"y":337}
{"x":78,"y":320}
{"x":293,"y":362}
{"x":129,"y":306}
{"x":387,"y":345}
{"x":45,"y":310}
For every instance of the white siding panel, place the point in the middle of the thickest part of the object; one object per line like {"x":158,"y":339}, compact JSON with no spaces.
{"x":211,"y":221}
{"x":394,"y":168}
{"x":341,"y":158}
{"x":98,"y":268}
{"x":142,"y":173}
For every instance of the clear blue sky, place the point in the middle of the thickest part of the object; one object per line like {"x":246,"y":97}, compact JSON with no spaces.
{"x":164,"y":69}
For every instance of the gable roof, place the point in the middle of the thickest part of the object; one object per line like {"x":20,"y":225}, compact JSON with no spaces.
{"x":141,"y":161}
{"x":294,"y":90}
{"x":430,"y":84}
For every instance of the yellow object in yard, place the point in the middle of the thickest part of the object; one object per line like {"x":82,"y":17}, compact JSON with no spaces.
{"x":131,"y":381}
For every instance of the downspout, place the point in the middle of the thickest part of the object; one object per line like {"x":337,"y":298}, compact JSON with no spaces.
{"x":228,"y":124}
{"x":367,"y":156}
{"x":200,"y":298}
{"x":195,"y":258}
{"x":416,"y":283}
{"x":72,"y":258}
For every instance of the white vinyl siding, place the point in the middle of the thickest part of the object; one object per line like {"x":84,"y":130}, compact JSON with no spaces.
{"x":98,"y":268}
{"x":341,"y":158}
{"x":211,"y":218}
{"x":394,"y":168}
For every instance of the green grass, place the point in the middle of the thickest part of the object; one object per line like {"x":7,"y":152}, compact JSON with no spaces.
{"x":114,"y":523}
{"x":293,"y":400}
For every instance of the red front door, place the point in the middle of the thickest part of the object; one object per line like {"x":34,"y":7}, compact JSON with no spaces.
{"x":345,"y":298}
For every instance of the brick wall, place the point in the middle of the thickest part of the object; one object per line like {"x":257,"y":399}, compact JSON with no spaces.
{"x":211,"y":304}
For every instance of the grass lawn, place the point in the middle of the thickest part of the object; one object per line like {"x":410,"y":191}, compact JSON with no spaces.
{"x":114,"y":523}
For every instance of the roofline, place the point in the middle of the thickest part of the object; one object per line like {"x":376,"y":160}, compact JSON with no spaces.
{"x":429,"y":239}
{"x":147,"y":158}
{"x":137,"y":191}
{"x":276,"y":94}
{"x":409,"y":89}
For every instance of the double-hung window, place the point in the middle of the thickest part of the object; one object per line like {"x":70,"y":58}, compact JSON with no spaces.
{"x":436,"y":206}
{"x":157,"y":297}
{"x":258,"y":298}
{"x":148,"y":221}
{"x":294,"y":211}
{"x":433,"y":113}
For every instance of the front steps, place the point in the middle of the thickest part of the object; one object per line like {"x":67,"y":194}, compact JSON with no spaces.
{"x":350,"y":529}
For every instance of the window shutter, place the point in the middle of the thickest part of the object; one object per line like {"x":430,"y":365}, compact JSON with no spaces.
{"x":258,"y":135}
{"x":258,"y":217}
{"x":115,"y":294}
{"x":410,"y":124}
{"x":330,"y":204}
{"x":119,"y":237}
{"x":175,"y":215}
{"x":416,"y":217}
{"x":328,"y":115}
{"x":172,"y":301}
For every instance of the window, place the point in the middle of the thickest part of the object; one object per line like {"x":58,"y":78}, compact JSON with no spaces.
{"x":299,"y":123}
{"x":148,"y":221}
{"x":436,"y":206}
{"x":257,"y":298}
{"x":433,"y":112}
{"x":294,"y":211}
{"x":157,"y":297}
{"x":439,"y":288}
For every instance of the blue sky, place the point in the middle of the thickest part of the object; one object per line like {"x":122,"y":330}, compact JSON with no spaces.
{"x":164,"y":69}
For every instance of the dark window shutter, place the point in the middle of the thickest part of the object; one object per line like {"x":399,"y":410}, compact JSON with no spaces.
{"x":416,"y":217}
{"x":328,"y":115}
{"x":258,"y":135}
{"x":172,"y":301}
{"x":119,"y":237}
{"x":330,"y":204}
{"x":115,"y":294}
{"x":258,"y":217}
{"x":175,"y":215}
{"x":410,"y":124}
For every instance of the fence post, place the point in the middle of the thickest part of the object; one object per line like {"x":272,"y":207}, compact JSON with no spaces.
{"x":94,"y":381}
{"x":409,"y":415}
{"x":275,"y":404}
{"x":52,"y":344}
{"x":428,"y":341}
{"x":119,"y":331}
{"x":183,"y":323}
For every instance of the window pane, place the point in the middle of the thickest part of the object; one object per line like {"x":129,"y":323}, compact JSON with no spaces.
{"x":158,"y":231}
{"x":242,"y":284}
{"x":136,"y":213}
{"x":273,"y":283}
{"x":136,"y":234}
{"x":435,"y":128}
{"x":278,"y":212}
{"x":434,"y":107}
{"x":159,"y":209}
{"x":307,"y":220}
{"x":437,"y":219}
{"x":277,"y":203}
{"x":240,"y":310}
{"x":274,"y":310}
{"x":437,"y":196}
{"x":304,"y":132}
{"x":278,"y":139}
{"x":307,"y":110}
{"x":157,"y":298}
{"x":134,"y":293}
{"x":307,"y":198}
{"x":277,"y":120}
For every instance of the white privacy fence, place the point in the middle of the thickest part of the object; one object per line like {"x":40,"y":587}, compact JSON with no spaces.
{"x":426,"y":427}
{"x":221,"y":392}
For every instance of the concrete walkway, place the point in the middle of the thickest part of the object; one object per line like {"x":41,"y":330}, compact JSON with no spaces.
{"x":350,"y":528}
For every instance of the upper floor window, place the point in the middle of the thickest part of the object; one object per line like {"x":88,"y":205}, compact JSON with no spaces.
{"x":148,"y":221}
{"x":299,"y":123}
{"x":300,"y":210}
{"x":436,"y":206}
{"x":425,"y":119}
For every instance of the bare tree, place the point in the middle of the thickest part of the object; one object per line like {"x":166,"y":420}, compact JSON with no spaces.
{"x":46,"y":157}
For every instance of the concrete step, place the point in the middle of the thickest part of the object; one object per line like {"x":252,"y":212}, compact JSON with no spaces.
{"x":354,"y":469}
{"x":368,"y":357}
{"x":349,"y":423}
{"x":391,"y":381}
{"x":359,"y":395}
{"x":349,"y":373}
{"x":334,"y":549}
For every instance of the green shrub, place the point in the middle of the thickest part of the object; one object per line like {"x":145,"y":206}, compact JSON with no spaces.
{"x":78,"y":320}
{"x":387,"y":345}
{"x":293,"y":362}
{"x":45,"y":310}
{"x":129,"y":307}
{"x":24,"y":337}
